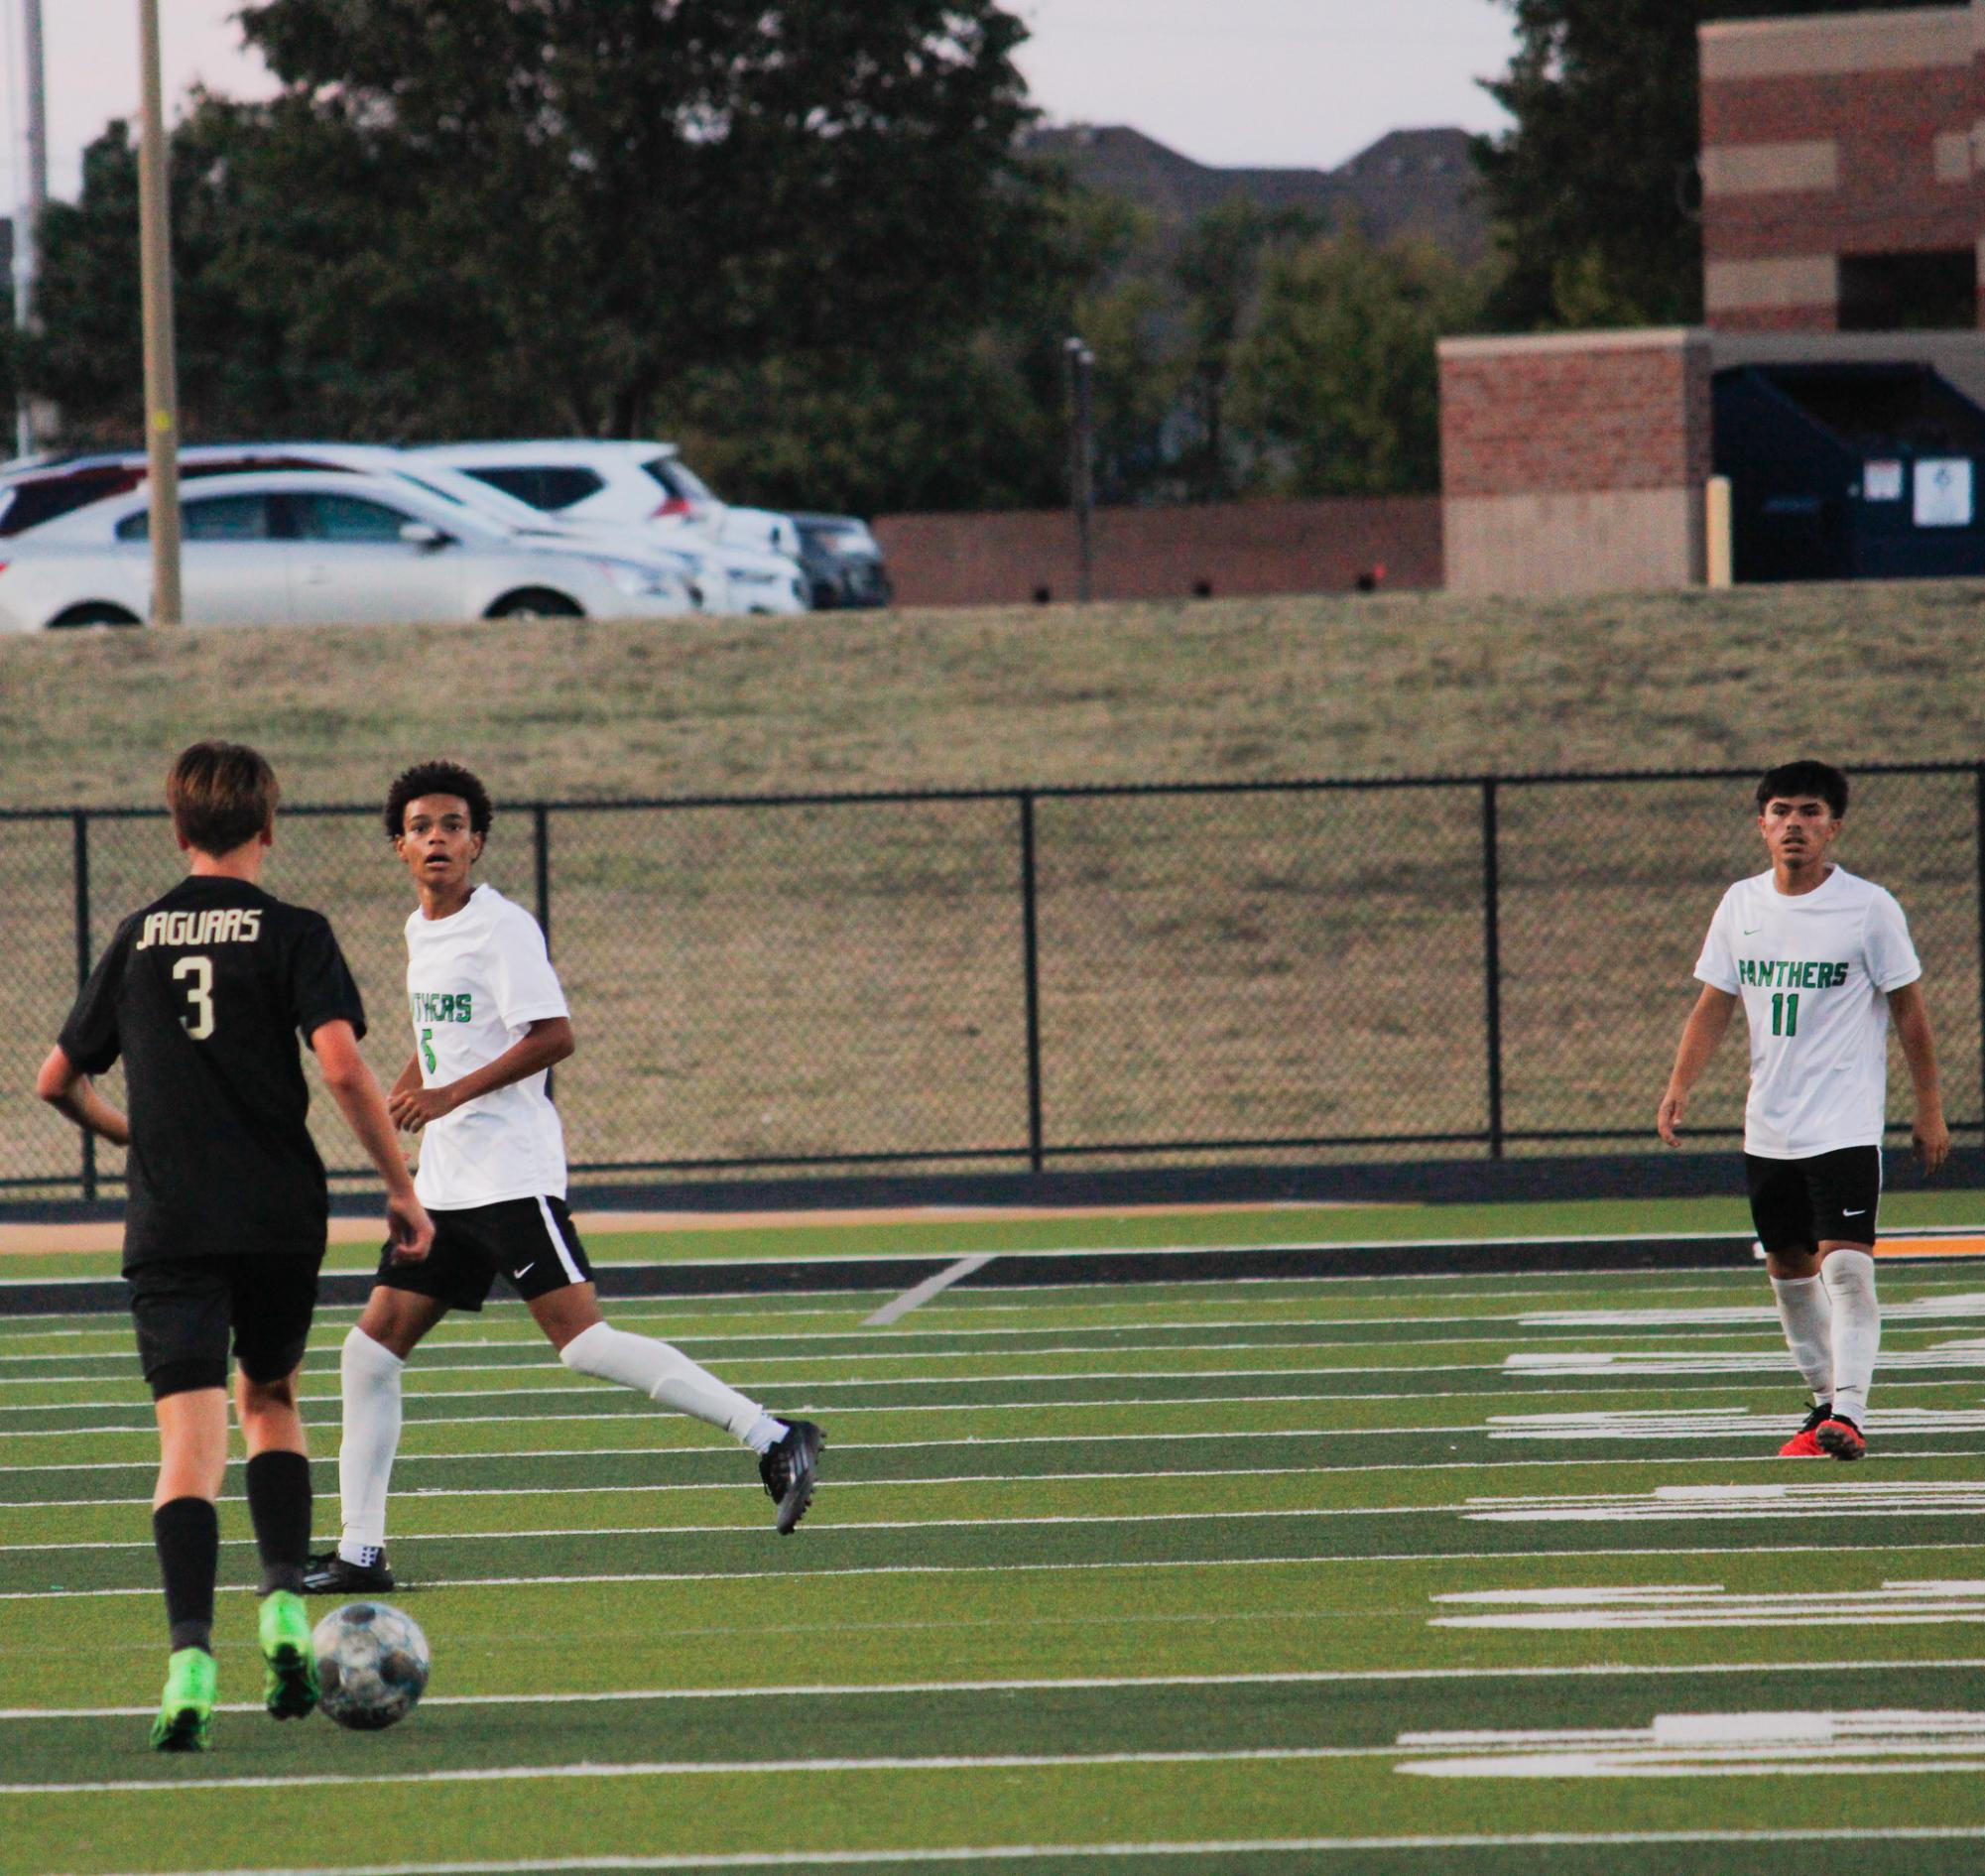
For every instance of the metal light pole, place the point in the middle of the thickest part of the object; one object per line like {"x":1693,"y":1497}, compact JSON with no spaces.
{"x":31,"y":197}
{"x":161,"y":396}
{"x":1082,"y":463}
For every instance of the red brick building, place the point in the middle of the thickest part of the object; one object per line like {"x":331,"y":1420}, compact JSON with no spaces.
{"x":1575,"y":461}
{"x":1843,"y":219}
{"x":1841,"y":187}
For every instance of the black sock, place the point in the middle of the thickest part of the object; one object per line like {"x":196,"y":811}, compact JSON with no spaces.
{"x":279,"y":1506}
{"x":188,"y":1533}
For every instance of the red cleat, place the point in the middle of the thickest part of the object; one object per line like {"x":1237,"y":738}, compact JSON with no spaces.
{"x":1803,"y":1444}
{"x":1842,"y":1438}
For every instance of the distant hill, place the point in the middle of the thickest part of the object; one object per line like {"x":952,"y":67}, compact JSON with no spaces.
{"x":1409,"y":183}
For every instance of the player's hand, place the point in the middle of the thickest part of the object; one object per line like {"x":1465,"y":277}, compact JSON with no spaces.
{"x":413,"y":1108}
{"x":1932,"y":1140}
{"x":409,"y":1229}
{"x":1668,"y":1121}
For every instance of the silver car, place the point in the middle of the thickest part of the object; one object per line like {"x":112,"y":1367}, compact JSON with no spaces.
{"x":314,"y":547}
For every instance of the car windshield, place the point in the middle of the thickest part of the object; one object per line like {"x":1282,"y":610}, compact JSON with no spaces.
{"x":679,"y":479}
{"x":487,"y":503}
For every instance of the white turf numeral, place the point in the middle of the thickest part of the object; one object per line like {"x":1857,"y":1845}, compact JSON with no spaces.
{"x":199,"y":993}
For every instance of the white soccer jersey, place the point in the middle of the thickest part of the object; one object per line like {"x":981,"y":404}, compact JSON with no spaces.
{"x":475,"y":982}
{"x":1815,"y":970}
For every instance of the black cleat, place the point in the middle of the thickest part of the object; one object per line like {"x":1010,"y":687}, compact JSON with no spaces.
{"x":331,"y":1576}
{"x":790,"y":1472}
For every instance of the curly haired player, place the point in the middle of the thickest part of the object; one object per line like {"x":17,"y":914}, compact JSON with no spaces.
{"x":489,"y":1019}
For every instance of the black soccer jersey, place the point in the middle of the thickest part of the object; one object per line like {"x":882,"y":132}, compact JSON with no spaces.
{"x":204,"y":994}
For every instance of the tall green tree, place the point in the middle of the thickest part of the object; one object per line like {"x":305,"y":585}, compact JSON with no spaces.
{"x":680,"y":185}
{"x":1335,"y":387}
{"x":1218,"y":271}
{"x":799,"y":231}
{"x":1592,"y":191}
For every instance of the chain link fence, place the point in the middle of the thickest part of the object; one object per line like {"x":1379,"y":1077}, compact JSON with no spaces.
{"x":1067,"y":976}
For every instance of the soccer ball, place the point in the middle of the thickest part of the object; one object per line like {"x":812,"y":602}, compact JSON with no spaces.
{"x":372,"y":1662}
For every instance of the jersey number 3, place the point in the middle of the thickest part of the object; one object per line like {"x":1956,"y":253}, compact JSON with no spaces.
{"x":198,"y":1018}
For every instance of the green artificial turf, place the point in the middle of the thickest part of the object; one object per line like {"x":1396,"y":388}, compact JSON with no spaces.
{"x":1184,"y":1571}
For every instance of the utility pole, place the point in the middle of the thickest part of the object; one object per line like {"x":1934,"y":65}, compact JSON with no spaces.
{"x":1082,"y":463}
{"x":31,"y":199}
{"x":161,"y":396}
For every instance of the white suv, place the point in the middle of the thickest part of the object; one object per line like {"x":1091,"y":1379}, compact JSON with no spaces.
{"x":313,"y":548}
{"x":581,"y":481}
{"x":33,"y":493}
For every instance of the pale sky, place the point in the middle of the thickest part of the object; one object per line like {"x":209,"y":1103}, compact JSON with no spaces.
{"x":1280,"y":83}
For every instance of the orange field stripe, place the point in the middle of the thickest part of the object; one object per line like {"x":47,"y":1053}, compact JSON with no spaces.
{"x":1930,"y":1247}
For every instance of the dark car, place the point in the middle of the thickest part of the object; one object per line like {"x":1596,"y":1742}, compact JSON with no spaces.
{"x":842,"y":561}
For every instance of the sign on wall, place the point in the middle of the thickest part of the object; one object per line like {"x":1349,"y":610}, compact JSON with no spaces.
{"x":1943,"y":492}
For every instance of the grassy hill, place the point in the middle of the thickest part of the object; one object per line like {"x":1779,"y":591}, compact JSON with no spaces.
{"x":1209,"y":691}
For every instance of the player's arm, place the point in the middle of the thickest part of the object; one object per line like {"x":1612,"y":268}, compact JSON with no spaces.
{"x":544,"y":1043}
{"x":409,"y":1079}
{"x":357,"y":1094}
{"x":1932,"y":1138}
{"x":70,"y":1091}
{"x":1699,"y":1037}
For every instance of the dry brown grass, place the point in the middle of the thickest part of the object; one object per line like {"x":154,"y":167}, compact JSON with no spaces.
{"x":1213,"y":690}
{"x":847,"y":979}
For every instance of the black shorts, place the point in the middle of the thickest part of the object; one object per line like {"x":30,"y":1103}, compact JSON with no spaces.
{"x":186,"y":1309}
{"x":530,"y":1242}
{"x":1798,"y":1204}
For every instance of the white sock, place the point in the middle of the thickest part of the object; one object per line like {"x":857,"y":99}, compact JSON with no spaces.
{"x":1849,"y":1276}
{"x":665,"y":1374}
{"x":1807,"y":1311}
{"x":370,"y":1375}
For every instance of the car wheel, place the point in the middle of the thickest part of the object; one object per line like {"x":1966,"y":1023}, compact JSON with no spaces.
{"x":535,"y":603}
{"x":92,"y":612}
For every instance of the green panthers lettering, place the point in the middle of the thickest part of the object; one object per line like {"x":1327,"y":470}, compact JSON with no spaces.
{"x":1767,"y":973}
{"x":440,"y":1006}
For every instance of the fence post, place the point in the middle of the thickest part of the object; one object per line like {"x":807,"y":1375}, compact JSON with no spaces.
{"x":79,"y":866}
{"x":541,"y":829}
{"x":1492,"y":965}
{"x":541,"y":860}
{"x":1979,"y":785}
{"x":1030,"y":968}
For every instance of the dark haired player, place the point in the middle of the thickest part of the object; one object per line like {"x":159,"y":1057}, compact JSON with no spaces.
{"x":1821,"y":960}
{"x":489,"y":1019}
{"x":204,"y":994}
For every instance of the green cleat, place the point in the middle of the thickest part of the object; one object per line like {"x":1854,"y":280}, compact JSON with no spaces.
{"x":185,"y":1713}
{"x":290,"y":1680}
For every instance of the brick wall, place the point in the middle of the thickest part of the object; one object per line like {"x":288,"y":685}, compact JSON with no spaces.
{"x":1227,"y":548}
{"x":1574,"y":463}
{"x":1575,"y":410}
{"x":1824,"y":136}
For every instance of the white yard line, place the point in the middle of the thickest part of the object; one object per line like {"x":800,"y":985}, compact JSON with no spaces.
{"x":1320,"y":1677}
{"x":1776,"y":1388}
{"x":717,"y":1768}
{"x":1761,"y":1427}
{"x":1586,"y":1505}
{"x":1538,"y":1351}
{"x":1838,"y":1548}
{"x":919,"y":1294}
